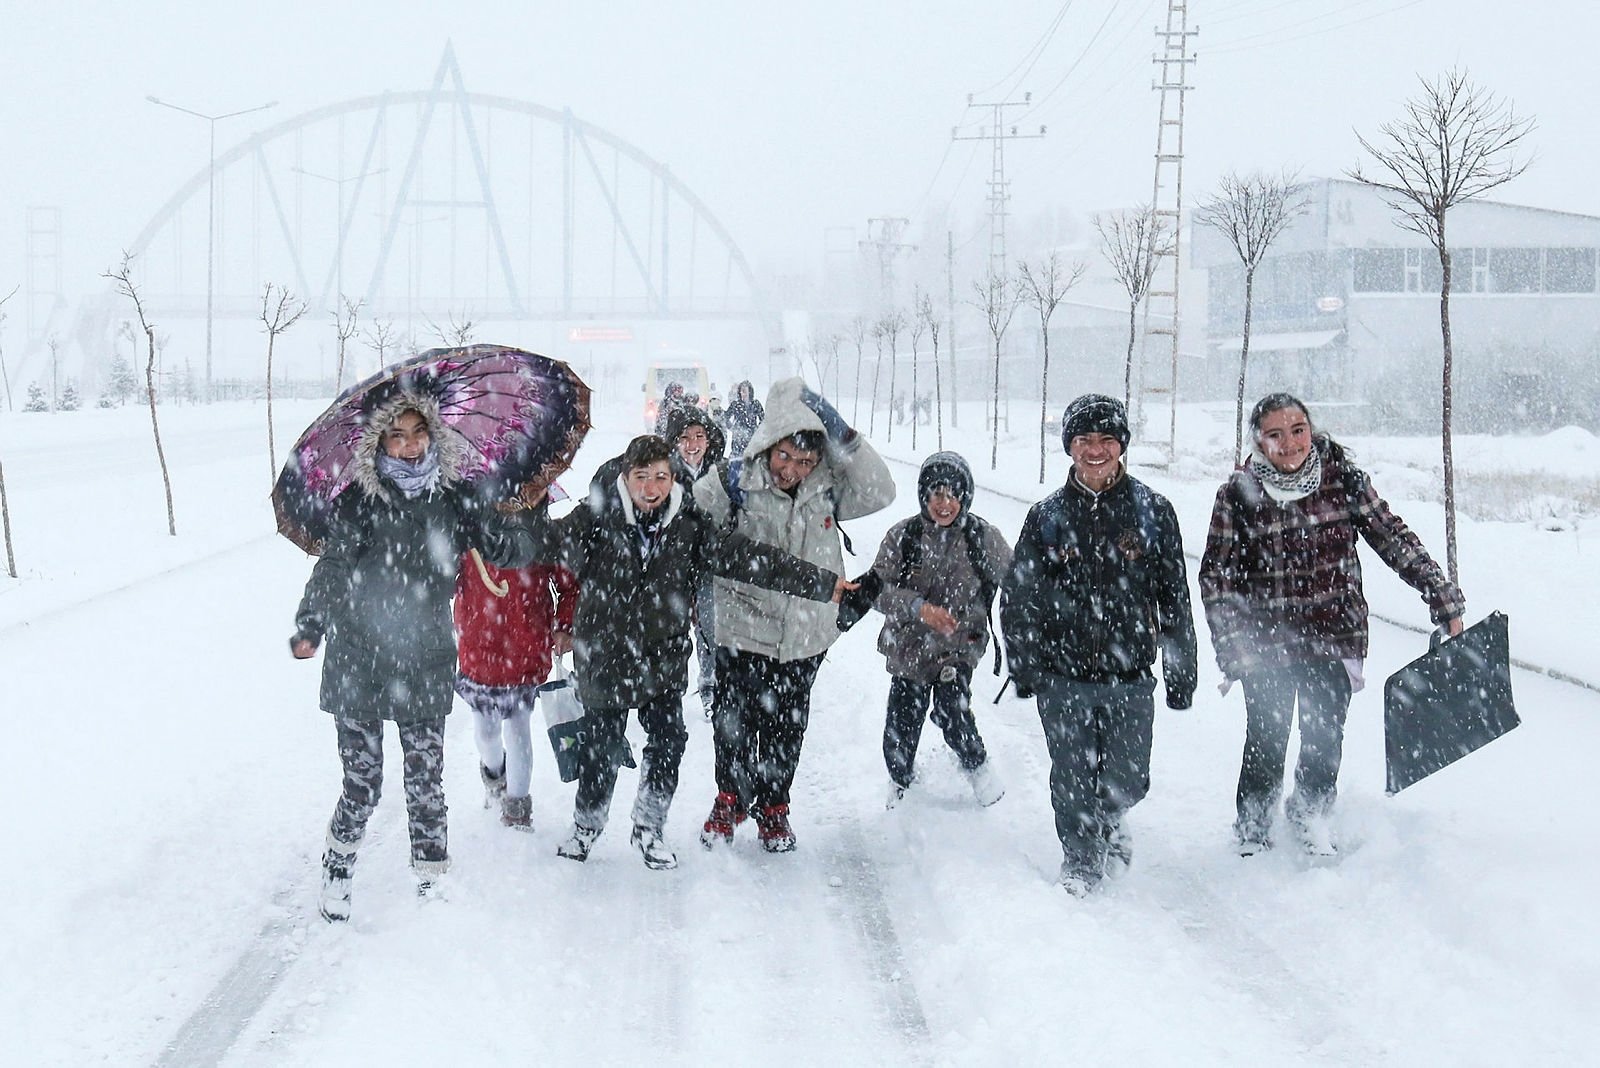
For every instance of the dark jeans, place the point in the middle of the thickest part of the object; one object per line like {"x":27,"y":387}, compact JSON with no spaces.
{"x":763,"y":706}
{"x":1323,"y":693}
{"x":361,"y":753}
{"x":1099,"y":736}
{"x":604,"y":748}
{"x":952,"y":714}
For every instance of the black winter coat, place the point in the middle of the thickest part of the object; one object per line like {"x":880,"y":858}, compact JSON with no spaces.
{"x":381,"y":594}
{"x":1096,"y":585}
{"x":630,"y":636}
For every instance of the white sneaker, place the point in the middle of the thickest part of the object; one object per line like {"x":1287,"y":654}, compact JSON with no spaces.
{"x":334,"y":902}
{"x":578,"y":844}
{"x":1119,"y":852}
{"x":1316,"y":837}
{"x":986,"y":785}
{"x":1077,"y":882}
{"x":654,"y":849}
{"x":895,"y":794}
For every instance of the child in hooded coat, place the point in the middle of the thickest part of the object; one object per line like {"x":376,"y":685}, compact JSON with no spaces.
{"x":510,"y":625}
{"x":380,"y":595}
{"x":939,"y":571}
{"x":697,"y":447}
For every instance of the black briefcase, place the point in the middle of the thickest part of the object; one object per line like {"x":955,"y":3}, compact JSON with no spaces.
{"x":1450,"y":701}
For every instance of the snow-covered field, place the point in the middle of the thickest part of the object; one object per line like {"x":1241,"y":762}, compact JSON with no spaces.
{"x":169,"y":777}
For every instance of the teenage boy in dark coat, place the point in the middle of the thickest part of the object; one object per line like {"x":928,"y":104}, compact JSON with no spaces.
{"x":638,"y":548}
{"x":1096,"y":589}
{"x":697,"y":447}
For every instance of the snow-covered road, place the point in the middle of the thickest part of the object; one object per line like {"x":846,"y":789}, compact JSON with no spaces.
{"x":170,"y":776}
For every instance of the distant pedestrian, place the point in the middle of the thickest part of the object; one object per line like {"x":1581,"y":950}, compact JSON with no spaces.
{"x":1281,"y":584}
{"x":1096,"y":591}
{"x":741,"y":417}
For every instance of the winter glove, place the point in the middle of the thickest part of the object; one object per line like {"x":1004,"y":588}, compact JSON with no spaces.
{"x":1024,"y":690}
{"x":858,"y":602}
{"x":1179,"y":701}
{"x":838,"y":430}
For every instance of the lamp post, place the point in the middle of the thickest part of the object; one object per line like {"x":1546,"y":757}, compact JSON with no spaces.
{"x":211,"y":207}
{"x":338,"y":184}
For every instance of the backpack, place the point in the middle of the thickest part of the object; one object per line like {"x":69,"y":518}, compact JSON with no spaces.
{"x":974,"y":530}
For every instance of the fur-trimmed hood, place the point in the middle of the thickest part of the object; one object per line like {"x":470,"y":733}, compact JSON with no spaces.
{"x":445,"y":441}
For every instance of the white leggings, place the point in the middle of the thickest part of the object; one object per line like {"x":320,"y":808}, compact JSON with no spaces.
{"x":500,"y":727}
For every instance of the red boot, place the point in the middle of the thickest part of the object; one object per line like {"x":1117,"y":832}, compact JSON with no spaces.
{"x":776,"y":834}
{"x":726,"y":814}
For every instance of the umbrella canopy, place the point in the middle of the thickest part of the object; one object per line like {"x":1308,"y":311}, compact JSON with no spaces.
{"x":519,"y":415}
{"x":1450,"y":701}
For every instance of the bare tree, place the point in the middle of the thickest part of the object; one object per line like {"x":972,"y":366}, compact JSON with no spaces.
{"x":894,"y":321}
{"x":122,"y":278}
{"x":858,"y":334}
{"x":878,"y":332}
{"x":997,"y":299}
{"x":279,"y":311}
{"x":346,"y":321}
{"x":54,"y":344}
{"x":1455,"y":142}
{"x":924,"y":311}
{"x":1044,"y":286}
{"x":917,"y":327}
{"x":1250,"y":211}
{"x":5,"y":517}
{"x":457,"y":333}
{"x":5,"y":375}
{"x":1133,"y":243}
{"x":380,"y":338}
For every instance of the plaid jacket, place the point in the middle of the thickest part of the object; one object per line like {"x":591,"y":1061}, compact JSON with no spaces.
{"x":1282,"y":582}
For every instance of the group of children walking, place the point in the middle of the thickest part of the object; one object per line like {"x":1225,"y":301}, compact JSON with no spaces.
{"x":675,"y":546}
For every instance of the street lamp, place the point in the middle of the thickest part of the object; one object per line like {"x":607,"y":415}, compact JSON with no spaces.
{"x":211,"y":207}
{"x":338,"y":184}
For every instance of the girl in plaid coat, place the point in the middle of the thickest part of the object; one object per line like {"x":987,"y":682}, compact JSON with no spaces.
{"x":1281,"y":585}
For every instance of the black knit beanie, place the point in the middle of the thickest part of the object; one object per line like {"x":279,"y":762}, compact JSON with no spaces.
{"x":1095,"y":413}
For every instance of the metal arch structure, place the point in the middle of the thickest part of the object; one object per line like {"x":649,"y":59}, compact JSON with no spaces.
{"x":618,"y":257}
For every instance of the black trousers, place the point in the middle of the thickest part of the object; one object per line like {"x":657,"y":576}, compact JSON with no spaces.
{"x":763,"y":706}
{"x":604,"y":748}
{"x":1099,"y":736}
{"x":952,"y":714}
{"x":361,"y":754}
{"x":1322,"y":692}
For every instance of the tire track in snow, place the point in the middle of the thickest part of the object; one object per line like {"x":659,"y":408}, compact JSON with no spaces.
{"x":1249,"y":964}
{"x":874,"y":924}
{"x":213,"y":1028}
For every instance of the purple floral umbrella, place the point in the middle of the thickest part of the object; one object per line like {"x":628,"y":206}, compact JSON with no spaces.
{"x":521,"y":416}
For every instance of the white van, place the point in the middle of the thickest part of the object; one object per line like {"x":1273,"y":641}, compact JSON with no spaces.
{"x":692,"y":376}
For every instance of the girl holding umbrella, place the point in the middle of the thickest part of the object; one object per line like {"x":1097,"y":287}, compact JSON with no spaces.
{"x":380,"y":595}
{"x":1281,"y":584}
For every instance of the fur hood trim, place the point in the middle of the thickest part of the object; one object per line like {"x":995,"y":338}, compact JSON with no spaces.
{"x":452,"y":449}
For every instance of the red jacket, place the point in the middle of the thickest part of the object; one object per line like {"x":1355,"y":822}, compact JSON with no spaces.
{"x":505,"y":640}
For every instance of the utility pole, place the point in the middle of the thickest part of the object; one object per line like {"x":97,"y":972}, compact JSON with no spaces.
{"x":883,"y":236}
{"x":950,"y":310}
{"x":998,"y":133}
{"x":1172,"y":60}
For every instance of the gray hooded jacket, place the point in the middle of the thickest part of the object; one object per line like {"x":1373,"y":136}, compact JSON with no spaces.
{"x":851,"y":481}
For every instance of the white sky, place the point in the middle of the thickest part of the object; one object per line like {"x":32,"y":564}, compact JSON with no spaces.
{"x":785,"y":119}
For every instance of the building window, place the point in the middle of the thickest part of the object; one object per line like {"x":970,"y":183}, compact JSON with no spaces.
{"x":1514,"y":270}
{"x":1378,"y":270}
{"x":1569,"y":270}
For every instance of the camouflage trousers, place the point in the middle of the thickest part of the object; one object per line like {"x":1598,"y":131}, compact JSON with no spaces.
{"x":361,"y":753}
